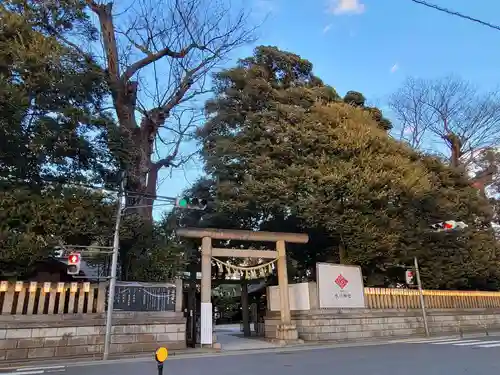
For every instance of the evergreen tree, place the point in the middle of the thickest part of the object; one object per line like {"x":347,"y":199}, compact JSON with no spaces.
{"x":281,"y":144}
{"x":53,"y":137}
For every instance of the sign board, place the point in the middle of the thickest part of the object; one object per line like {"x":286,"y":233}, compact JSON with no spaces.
{"x":135,"y":296}
{"x":340,"y":286}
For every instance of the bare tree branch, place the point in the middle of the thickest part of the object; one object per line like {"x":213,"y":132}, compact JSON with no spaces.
{"x":153,"y":57}
{"x":448,"y":109}
{"x":452,"y":112}
{"x":157,"y":58}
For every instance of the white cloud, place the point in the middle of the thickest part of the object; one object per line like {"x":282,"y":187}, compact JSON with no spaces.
{"x":346,"y":7}
{"x":409,"y":130}
{"x":264,"y":7}
{"x":394,"y":68}
{"x":327,"y":28}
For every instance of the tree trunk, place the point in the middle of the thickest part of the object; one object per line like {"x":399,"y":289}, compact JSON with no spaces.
{"x":483,"y":179}
{"x":141,"y":173}
{"x":342,"y":253}
{"x":456,"y":149}
{"x":245,"y":312}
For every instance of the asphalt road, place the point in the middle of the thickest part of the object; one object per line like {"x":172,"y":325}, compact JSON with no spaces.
{"x":439,"y":357}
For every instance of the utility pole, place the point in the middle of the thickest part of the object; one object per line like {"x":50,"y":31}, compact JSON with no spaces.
{"x":421,"y":294}
{"x":445,"y":226}
{"x":112,"y":280}
{"x":187,"y":203}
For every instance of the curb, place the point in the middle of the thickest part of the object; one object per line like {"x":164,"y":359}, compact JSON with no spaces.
{"x":17,"y":368}
{"x":48,"y":364}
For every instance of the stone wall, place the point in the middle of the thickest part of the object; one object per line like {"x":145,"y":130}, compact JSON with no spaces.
{"x":82,"y":335}
{"x":349,"y":324}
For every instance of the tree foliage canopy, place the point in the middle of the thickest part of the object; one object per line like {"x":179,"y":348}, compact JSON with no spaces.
{"x":56,"y":138}
{"x":52,"y":137}
{"x":52,"y":126}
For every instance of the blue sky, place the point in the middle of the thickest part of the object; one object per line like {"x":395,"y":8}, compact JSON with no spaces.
{"x":371,"y":46}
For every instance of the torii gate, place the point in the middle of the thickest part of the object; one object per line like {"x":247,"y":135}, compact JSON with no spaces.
{"x":286,"y":331}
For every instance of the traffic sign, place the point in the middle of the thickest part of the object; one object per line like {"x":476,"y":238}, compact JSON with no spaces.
{"x":74,"y":260}
{"x":449,"y":225}
{"x":410,"y":277}
{"x":161,"y":354}
{"x":191,"y":203}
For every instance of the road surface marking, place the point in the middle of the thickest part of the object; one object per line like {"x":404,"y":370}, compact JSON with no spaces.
{"x":434,"y":341}
{"x":41,"y":368}
{"x":489,"y":346}
{"x":478,"y":343}
{"x":35,"y":370}
{"x":468,"y":343}
{"x":454,"y":342}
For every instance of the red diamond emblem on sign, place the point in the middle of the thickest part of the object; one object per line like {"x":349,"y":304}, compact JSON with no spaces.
{"x":341,"y":281}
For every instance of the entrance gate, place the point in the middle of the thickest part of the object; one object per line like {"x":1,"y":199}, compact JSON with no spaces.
{"x":286,"y":331}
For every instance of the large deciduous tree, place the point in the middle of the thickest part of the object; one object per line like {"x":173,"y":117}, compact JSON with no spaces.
{"x":155,"y":57}
{"x":281,"y":144}
{"x":451,"y":114}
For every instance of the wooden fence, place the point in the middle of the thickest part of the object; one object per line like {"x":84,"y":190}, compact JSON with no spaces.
{"x":380,"y":298}
{"x":21,"y":298}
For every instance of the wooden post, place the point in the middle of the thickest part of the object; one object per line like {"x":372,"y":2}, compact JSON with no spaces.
{"x":206,"y":270}
{"x":179,"y":294}
{"x":286,"y":332}
{"x":283,"y":283}
{"x":206,"y":292}
{"x":244,"y":307}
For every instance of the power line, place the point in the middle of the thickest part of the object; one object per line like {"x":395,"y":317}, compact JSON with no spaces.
{"x":454,"y":13}
{"x":129,"y":194}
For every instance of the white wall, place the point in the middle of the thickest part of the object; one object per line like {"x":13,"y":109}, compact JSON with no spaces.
{"x":326,"y":293}
{"x":299,"y":296}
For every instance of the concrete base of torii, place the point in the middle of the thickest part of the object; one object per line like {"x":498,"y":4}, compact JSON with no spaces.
{"x":287,"y":334}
